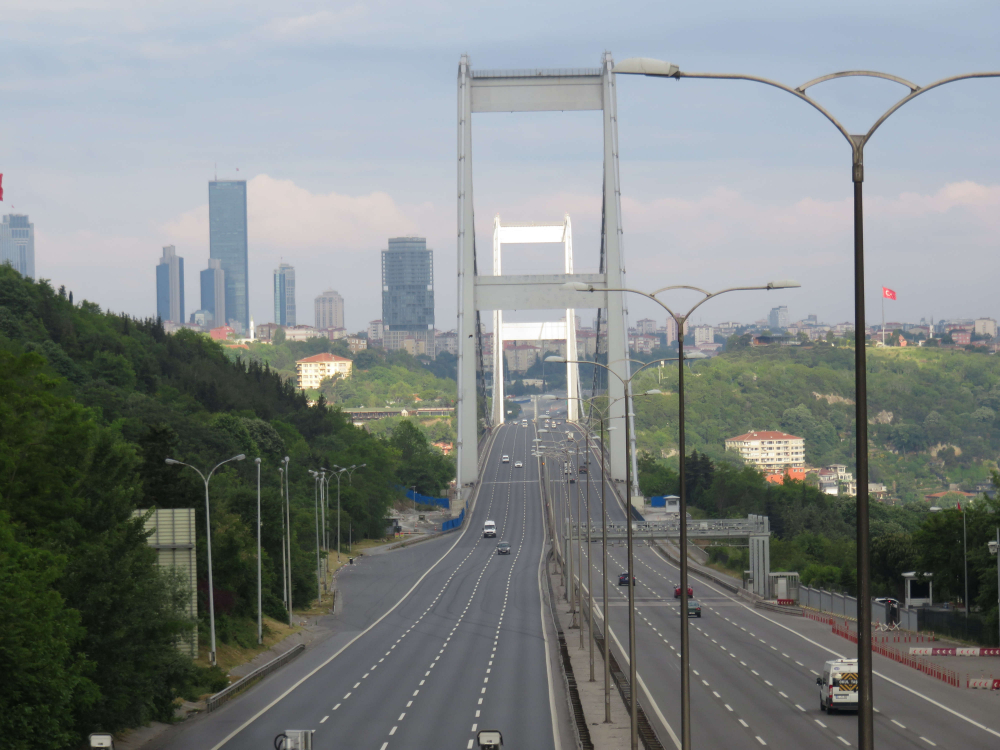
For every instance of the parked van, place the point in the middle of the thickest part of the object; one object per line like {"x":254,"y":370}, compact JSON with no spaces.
{"x":838,"y":686}
{"x":489,"y":529}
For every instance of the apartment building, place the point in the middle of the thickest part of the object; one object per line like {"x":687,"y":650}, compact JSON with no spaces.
{"x":313,"y":370}
{"x":769,"y":450}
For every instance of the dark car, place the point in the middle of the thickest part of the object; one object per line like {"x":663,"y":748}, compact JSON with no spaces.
{"x":503,"y":548}
{"x":677,"y":592}
{"x":583,"y":469}
{"x":694,"y":608}
{"x":623,"y":579}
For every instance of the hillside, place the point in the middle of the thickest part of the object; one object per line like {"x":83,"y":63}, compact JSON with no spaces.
{"x":932,"y":413}
{"x":91,"y":405}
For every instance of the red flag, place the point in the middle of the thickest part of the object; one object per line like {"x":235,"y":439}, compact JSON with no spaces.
{"x":888,"y":293}
{"x":960,"y":505}
{"x":1,"y":186}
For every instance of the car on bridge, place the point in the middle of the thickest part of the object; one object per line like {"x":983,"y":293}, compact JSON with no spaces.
{"x":505,"y":459}
{"x":503,"y":548}
{"x":623,"y":579}
{"x":694,"y":608}
{"x":583,"y":469}
{"x":489,"y":529}
{"x":677,"y":592}
{"x":518,"y":465}
{"x":838,"y":686}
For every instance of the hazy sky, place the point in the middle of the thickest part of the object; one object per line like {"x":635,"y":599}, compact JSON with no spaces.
{"x":342,"y":116}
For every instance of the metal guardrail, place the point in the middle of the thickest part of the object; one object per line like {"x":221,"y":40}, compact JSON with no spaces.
{"x":226,"y":695}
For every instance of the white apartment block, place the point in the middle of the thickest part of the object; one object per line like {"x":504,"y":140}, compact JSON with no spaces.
{"x":769,"y":450}
{"x":986,"y":327}
{"x":704,"y":335}
{"x":313,"y":370}
{"x":671,"y":330}
{"x":646,"y":327}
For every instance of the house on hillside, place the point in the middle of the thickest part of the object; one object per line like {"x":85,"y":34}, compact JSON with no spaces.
{"x":769,"y":450}
{"x":313,"y":370}
{"x":779,"y":478}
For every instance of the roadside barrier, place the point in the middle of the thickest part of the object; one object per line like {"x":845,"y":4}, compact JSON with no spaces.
{"x":955,"y":651}
{"x":825,"y":619}
{"x":226,"y":695}
{"x":454,"y":523}
{"x":983,"y":683}
{"x":930,"y":669}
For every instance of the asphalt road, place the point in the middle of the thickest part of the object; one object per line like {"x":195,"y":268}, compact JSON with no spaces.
{"x":435,"y":641}
{"x":753,"y":672}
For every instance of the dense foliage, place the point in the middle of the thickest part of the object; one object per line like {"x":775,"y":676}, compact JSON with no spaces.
{"x":91,"y":403}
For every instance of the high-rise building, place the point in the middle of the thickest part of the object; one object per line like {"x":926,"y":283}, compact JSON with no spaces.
{"x":284,"y":295}
{"x":329,"y":309}
{"x":17,"y":244}
{"x":408,"y":293}
{"x":227,"y":230}
{"x":170,"y":286}
{"x":213,"y":291}
{"x":777,"y":319}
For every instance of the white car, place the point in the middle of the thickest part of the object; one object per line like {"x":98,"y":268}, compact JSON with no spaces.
{"x":505,"y":459}
{"x":518,"y":465}
{"x":489,"y":529}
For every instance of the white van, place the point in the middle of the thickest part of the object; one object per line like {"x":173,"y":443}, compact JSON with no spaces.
{"x":489,"y":529}
{"x":524,"y":423}
{"x":838,"y":686}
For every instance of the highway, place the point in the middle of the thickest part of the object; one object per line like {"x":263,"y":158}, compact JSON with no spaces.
{"x":753,"y":672}
{"x":437,"y":641}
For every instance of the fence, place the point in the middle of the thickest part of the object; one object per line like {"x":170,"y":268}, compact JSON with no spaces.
{"x":226,"y":695}
{"x":847,"y":607}
{"x":417,"y":498}
{"x":972,"y":628}
{"x":453,"y":523}
{"x":930,"y":669}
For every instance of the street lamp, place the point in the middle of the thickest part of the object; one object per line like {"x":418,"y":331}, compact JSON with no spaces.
{"x":318,"y":479}
{"x":681,"y":321}
{"x":994,"y":548}
{"x":208,"y":541}
{"x":284,"y":560}
{"x":260,"y":619}
{"x":288,"y":534}
{"x":350,"y":476}
{"x":658,"y":68}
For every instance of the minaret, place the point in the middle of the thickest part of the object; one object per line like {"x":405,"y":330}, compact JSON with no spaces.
{"x":252,"y":336}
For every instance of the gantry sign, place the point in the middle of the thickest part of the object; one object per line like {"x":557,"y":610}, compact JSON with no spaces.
{"x":481,"y":91}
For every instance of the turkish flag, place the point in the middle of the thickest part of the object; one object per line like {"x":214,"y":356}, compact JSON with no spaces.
{"x":1,"y":186}
{"x":888,"y":293}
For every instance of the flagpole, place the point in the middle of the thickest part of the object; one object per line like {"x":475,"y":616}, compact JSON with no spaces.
{"x":883,"y":317}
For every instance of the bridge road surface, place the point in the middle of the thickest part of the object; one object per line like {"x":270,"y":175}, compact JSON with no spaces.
{"x":465,"y":650}
{"x":753,"y":673}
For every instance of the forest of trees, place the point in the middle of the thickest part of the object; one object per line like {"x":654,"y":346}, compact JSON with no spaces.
{"x":91,"y":403}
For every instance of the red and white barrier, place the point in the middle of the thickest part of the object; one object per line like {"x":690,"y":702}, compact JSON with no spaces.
{"x":987,"y":683}
{"x":975,"y":651}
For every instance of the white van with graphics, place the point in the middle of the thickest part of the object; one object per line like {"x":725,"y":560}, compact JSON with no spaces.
{"x":838,"y":686}
{"x":489,"y":529}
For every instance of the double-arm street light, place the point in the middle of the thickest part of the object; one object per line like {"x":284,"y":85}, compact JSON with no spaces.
{"x":288,"y":538}
{"x":659,"y":68}
{"x":208,"y":541}
{"x":350,"y":476}
{"x":681,"y":321}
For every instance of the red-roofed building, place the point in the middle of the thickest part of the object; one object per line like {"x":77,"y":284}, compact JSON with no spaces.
{"x":222,"y":333}
{"x":796,"y":474}
{"x":769,"y":450}
{"x":313,"y":370}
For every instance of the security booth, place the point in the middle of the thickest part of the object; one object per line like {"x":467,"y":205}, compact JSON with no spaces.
{"x":919,"y":589}
{"x":783,"y":587}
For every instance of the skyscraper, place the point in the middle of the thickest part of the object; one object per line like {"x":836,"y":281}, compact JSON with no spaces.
{"x":17,"y":244}
{"x":408,"y":293}
{"x":777,"y":319}
{"x":213,"y":291}
{"x":170,"y":286}
{"x":227,"y":230}
{"x":284,"y":295}
{"x":329,"y":310}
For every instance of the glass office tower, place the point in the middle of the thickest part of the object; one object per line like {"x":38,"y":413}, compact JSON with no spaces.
{"x":227,"y":230}
{"x":213,"y":292}
{"x":170,"y":286}
{"x":408,"y":293}
{"x":284,"y":295}
{"x":17,"y":244}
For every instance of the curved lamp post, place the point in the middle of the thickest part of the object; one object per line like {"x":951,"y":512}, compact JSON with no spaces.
{"x":288,"y":537}
{"x":681,"y":321}
{"x":208,"y":540}
{"x":659,"y":68}
{"x":260,"y":617}
{"x":350,"y":476}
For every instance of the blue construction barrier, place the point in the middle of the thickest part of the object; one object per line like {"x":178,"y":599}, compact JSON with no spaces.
{"x":453,"y":523}
{"x":658,"y":502}
{"x":416,"y":497}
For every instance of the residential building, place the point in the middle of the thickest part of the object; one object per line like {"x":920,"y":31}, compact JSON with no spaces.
{"x":643,"y":344}
{"x":646,"y":326}
{"x":769,"y":450}
{"x":315,"y":369}
{"x":704,"y":335}
{"x":334,"y":334}
{"x":329,"y":310}
{"x":586,"y":343}
{"x":777,"y":319}
{"x":408,"y":293}
{"x":961,"y":338}
{"x":17,"y":244}
{"x":221,"y":333}
{"x":170,"y":286}
{"x":376,"y":332}
{"x":521,"y":356}
{"x":986,"y":327}
{"x":356,"y":344}
{"x":213,"y":291}
{"x":671,"y":330}
{"x":798,"y":475}
{"x":265,"y":332}
{"x":300,"y":333}
{"x":446,"y":341}
{"x":284,"y":295}
{"x":227,"y":234}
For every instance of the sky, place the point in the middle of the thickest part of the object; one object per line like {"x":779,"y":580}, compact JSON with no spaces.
{"x":342,"y":117}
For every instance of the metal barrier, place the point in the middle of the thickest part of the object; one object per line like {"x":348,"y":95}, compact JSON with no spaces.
{"x":454,"y":523}
{"x":930,"y":669}
{"x":226,"y":695}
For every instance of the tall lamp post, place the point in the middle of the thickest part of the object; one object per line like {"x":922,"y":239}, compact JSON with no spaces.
{"x":318,"y":479}
{"x":994,"y":548}
{"x":284,"y":557}
{"x":208,"y":541}
{"x":288,"y":538}
{"x":350,"y":475}
{"x":590,"y":578}
{"x":260,"y":617}
{"x":659,"y":68}
{"x":681,"y":321}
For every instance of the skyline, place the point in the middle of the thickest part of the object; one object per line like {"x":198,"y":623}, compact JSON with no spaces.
{"x":722,"y":182}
